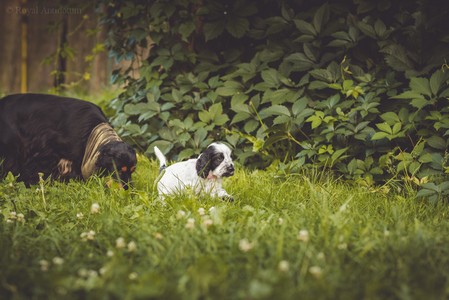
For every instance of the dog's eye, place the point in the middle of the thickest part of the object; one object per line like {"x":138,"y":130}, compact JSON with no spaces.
{"x":219,"y":157}
{"x":124,"y":169}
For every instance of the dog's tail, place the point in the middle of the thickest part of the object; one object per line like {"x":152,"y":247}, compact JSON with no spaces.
{"x":161,"y":158}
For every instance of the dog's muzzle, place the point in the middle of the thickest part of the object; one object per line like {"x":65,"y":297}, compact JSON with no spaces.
{"x":229,"y":171}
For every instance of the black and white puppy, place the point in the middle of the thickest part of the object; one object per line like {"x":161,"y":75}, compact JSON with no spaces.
{"x":203,"y":174}
{"x":60,"y":137}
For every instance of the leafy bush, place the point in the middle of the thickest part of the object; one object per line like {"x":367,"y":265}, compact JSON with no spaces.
{"x":354,"y":86}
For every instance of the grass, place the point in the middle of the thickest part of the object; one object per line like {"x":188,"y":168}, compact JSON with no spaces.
{"x":298,"y":237}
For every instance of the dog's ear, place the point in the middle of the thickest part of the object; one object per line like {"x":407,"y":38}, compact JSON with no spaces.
{"x":203,"y":164}
{"x":105,"y":161}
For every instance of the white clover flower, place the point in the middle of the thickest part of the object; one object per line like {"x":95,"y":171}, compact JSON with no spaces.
{"x":103,"y":270}
{"x":91,"y":235}
{"x":280,"y":221}
{"x":245,"y":245}
{"x":342,"y":246}
{"x":190,"y":223}
{"x":79,"y":215}
{"x":132,"y":246}
{"x":303,"y":235}
{"x":82,"y":272}
{"x":95,"y":208}
{"x":321,"y":256}
{"x":283,"y":266}
{"x":20,"y":218}
{"x":120,"y":243}
{"x":110,"y":253}
{"x":201,"y":211}
{"x":58,"y":260}
{"x":92,"y":274}
{"x":88,"y":236}
{"x":180,"y":214}
{"x":44,"y":265}
{"x":133,"y":276}
{"x":208,"y":222}
{"x":158,"y":236}
{"x":13,"y":215}
{"x":316,"y":272}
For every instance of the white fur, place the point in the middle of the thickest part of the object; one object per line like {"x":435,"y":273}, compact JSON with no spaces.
{"x":179,"y":176}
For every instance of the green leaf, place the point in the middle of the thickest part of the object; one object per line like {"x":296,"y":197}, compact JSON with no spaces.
{"x":274,"y":110}
{"x":216,"y":109}
{"x":241,"y":116}
{"x":431,"y":186}
{"x":186,"y":29}
{"x":390,"y":117}
{"x":305,"y":27}
{"x":213,"y":30}
{"x":205,"y":116}
{"x":321,"y":17}
{"x":384,"y":127}
{"x":280,"y":96}
{"x":338,"y":154}
{"x":220,"y":120}
{"x":396,"y":57}
{"x":425,"y":158}
{"x":419,"y":103}
{"x":271,"y":77}
{"x":318,"y":85}
{"x":186,"y":154}
{"x":315,"y":120}
{"x":199,"y":136}
{"x":379,"y":136}
{"x":322,"y":74}
{"x":396,"y":128}
{"x":310,"y":52}
{"x":408,"y":95}
{"x":230,"y":88}
{"x":250,"y":126}
{"x":380,"y":28}
{"x":136,"y":109}
{"x":436,"y":142}
{"x":348,"y":84}
{"x":436,"y":81}
{"x":238,"y":103}
{"x":299,"y":105}
{"x":421,"y":85}
{"x":237,"y":27}
{"x":281,"y":120}
{"x":424,"y":193}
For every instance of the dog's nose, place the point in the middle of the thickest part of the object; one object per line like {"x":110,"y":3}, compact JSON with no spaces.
{"x":231,"y":169}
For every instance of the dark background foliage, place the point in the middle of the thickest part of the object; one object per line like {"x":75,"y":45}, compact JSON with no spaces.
{"x":359,"y":87}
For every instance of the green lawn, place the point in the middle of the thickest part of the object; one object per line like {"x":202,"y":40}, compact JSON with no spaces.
{"x":295,"y":237}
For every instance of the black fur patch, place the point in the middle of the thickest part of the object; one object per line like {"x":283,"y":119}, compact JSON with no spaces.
{"x":208,"y":161}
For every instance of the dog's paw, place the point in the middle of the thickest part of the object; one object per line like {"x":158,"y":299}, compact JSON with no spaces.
{"x":227,"y":198}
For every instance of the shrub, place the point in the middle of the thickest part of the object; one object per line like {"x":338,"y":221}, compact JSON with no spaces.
{"x":354,"y":86}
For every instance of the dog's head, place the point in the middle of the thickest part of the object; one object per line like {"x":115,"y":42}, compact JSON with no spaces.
{"x":117,"y":158}
{"x":215,"y":161}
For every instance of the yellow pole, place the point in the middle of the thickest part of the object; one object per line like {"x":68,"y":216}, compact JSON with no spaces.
{"x":24,"y":52}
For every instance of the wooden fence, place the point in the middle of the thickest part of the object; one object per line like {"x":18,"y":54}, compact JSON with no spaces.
{"x":32,"y":34}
